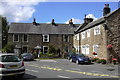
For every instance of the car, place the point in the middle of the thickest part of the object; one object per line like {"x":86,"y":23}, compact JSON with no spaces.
{"x":27,"y":56}
{"x":10,"y":65}
{"x":79,"y":58}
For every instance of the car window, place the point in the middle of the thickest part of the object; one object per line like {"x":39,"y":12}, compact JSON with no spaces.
{"x":80,"y":55}
{"x":10,"y":58}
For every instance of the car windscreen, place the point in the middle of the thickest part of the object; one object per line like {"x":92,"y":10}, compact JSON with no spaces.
{"x":80,"y":55}
{"x":10,"y":58}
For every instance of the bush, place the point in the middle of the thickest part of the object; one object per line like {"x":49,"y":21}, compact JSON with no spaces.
{"x":94,"y":59}
{"x":9,"y":48}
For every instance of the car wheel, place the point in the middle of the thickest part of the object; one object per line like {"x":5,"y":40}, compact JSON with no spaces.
{"x":71,"y":60}
{"x":77,"y":61}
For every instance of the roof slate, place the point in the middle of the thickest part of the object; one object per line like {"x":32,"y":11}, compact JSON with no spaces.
{"x":43,"y":28}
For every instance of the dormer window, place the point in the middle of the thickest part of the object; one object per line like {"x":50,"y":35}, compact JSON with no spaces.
{"x":45,"y":38}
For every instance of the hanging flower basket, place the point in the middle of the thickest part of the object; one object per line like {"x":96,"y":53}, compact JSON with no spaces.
{"x":109,"y":46}
{"x":94,"y":53}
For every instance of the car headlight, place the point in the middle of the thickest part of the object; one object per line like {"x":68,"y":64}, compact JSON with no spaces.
{"x":80,"y":59}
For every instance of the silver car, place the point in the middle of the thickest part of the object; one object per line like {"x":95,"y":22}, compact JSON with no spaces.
{"x":10,"y":65}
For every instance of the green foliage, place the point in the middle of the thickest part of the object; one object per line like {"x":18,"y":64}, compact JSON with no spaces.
{"x":94,"y":59}
{"x":9,"y":48}
{"x":52,"y":50}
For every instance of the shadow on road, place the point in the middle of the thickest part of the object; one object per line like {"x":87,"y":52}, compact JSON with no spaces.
{"x":25,"y":77}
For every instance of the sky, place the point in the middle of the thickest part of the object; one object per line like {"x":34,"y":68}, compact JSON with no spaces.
{"x":23,"y":11}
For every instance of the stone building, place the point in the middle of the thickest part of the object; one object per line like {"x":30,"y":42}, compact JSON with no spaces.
{"x":30,"y":36}
{"x":101,"y":36}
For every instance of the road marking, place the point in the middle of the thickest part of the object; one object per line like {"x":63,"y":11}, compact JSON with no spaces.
{"x":47,"y":60}
{"x":63,"y":76}
{"x":32,"y":70}
{"x":85,"y":73}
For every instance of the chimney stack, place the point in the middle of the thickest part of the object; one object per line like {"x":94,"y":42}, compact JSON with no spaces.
{"x":34,"y":21}
{"x":53,"y":22}
{"x":106,"y":9}
{"x":70,"y":22}
{"x":87,"y":20}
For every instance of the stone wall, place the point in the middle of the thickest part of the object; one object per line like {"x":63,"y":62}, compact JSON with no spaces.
{"x":113,"y":34}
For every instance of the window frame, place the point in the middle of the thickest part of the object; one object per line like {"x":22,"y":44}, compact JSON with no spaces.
{"x":14,"y":38}
{"x":97,"y":30}
{"x":23,"y":37}
{"x":66,"y":40}
{"x":25,"y":46}
{"x":44,"y":49}
{"x":46,"y":38}
{"x":83,"y":35}
{"x":88,"y":32}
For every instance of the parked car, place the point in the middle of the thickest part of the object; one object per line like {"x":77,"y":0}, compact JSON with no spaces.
{"x":11,"y":65}
{"x":79,"y":58}
{"x":27,"y":56}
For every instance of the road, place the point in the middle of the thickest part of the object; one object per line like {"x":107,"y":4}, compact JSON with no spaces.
{"x":63,"y":68}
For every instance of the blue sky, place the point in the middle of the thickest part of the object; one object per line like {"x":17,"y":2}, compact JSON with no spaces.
{"x":63,"y":11}
{"x":44,"y":11}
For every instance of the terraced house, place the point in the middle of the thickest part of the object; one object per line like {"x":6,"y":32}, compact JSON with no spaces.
{"x":101,"y":38}
{"x":30,"y":36}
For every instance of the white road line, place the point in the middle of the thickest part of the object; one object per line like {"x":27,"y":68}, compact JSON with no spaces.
{"x":63,"y":76}
{"x":32,"y":70}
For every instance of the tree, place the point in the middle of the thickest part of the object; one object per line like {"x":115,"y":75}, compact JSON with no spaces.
{"x":9,"y":48}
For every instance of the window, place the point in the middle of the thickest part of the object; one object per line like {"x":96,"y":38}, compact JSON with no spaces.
{"x":95,"y":48}
{"x":97,"y":30}
{"x":16,"y":38}
{"x":85,"y":49}
{"x":77,"y":35}
{"x":66,"y":38}
{"x":45,"y":38}
{"x":88,"y":33}
{"x":25,"y":49}
{"x":66,"y":49}
{"x":83,"y":35}
{"x":25,"y":37}
{"x":45,"y":49}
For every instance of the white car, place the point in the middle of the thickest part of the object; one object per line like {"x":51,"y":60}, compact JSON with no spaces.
{"x":10,"y":65}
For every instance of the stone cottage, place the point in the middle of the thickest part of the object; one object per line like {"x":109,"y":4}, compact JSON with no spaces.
{"x":30,"y":36}
{"x":101,"y":38}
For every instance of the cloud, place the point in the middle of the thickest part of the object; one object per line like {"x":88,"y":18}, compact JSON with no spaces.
{"x":18,"y":10}
{"x":75,"y":21}
{"x":91,"y":16}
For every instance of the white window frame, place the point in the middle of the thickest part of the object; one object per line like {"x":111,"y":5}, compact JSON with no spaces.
{"x":88,"y":33}
{"x":14,"y":37}
{"x":77,"y":36}
{"x":47,"y":38}
{"x":44,"y":49}
{"x":23,"y":37}
{"x":83,"y":35}
{"x":97,"y":30}
{"x":95,"y":48}
{"x":87,"y":49}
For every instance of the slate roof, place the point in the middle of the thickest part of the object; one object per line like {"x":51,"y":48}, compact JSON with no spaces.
{"x":84,"y":26}
{"x":42,"y":28}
